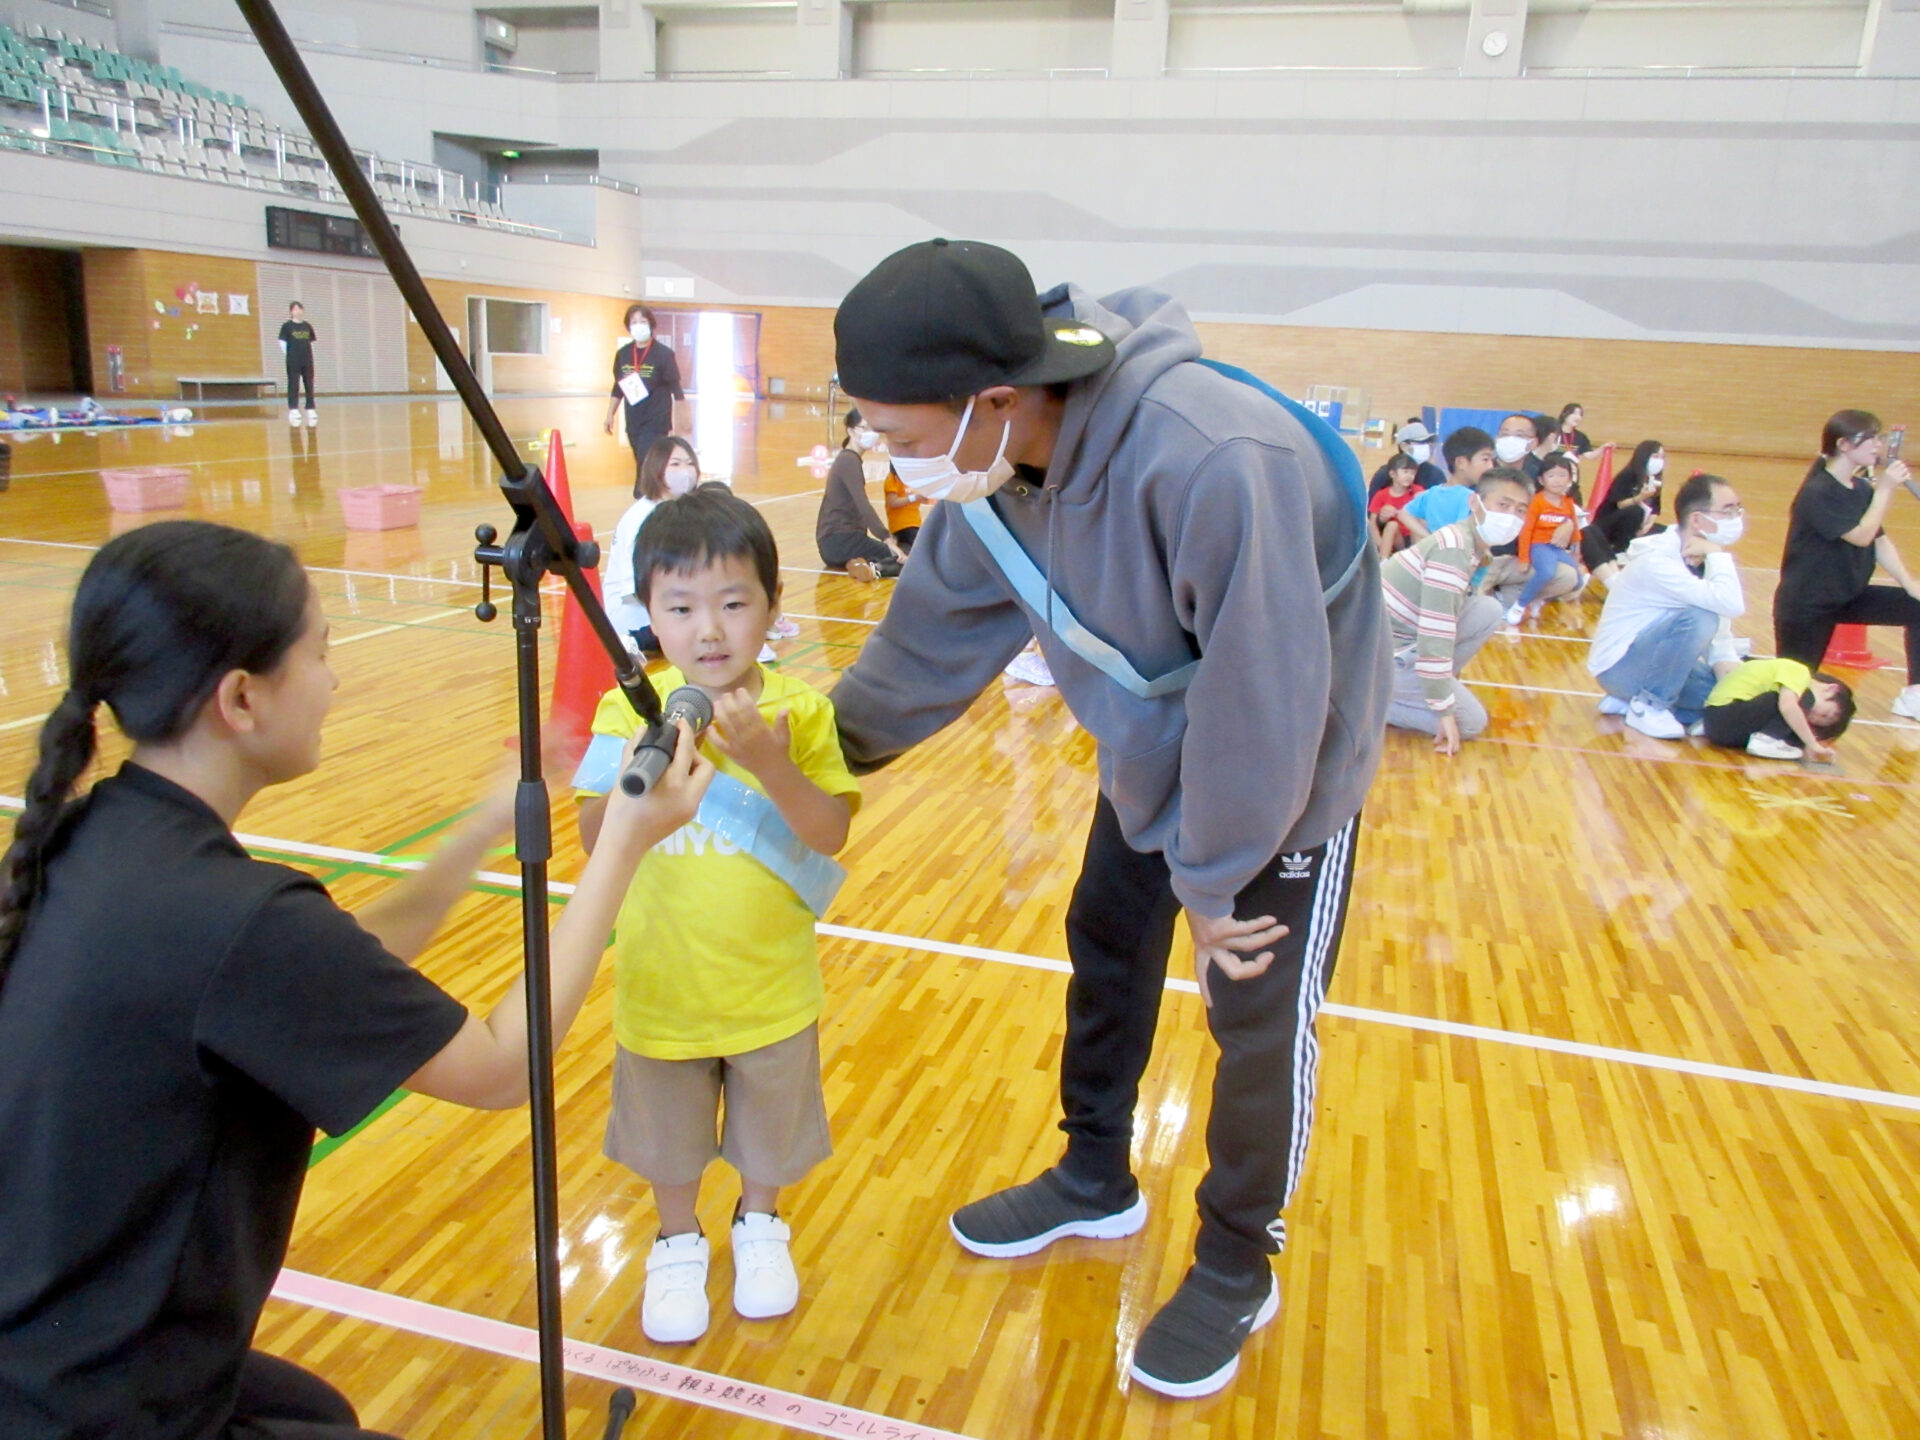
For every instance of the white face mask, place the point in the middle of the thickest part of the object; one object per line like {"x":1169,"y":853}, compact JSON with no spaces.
{"x":1509,"y":448}
{"x":641,"y":333}
{"x":864,"y":439}
{"x":1498,"y":528}
{"x":1421,"y":453}
{"x":680,"y":479}
{"x":1726,"y":531}
{"x":1656,"y":464}
{"x":940,"y":478}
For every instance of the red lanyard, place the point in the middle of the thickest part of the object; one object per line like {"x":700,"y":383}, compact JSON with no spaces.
{"x":641,"y":358}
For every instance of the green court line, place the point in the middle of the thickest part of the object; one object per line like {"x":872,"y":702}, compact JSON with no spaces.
{"x":327,"y":1144}
{"x":426,"y":831}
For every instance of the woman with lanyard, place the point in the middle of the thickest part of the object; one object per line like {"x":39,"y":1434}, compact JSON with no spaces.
{"x":646,"y":379}
{"x":1834,"y":541}
{"x":178,"y":1018}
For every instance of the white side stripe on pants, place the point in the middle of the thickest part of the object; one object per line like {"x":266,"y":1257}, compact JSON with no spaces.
{"x":1313,"y":991}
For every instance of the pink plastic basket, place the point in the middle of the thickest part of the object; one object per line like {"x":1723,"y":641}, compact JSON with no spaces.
{"x":146,"y":487}
{"x":381,"y":507}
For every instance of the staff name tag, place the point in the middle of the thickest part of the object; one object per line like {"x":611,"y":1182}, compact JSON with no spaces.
{"x":634,"y":388}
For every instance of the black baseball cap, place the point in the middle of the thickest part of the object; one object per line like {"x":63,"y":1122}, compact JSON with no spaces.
{"x":947,"y":318}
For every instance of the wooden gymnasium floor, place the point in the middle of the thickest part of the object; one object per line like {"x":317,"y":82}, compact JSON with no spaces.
{"x":1617,"y":1130}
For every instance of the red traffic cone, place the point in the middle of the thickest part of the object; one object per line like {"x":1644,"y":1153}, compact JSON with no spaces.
{"x":1602,"y":480}
{"x":583,"y":671}
{"x":557,"y":474}
{"x":1849,"y":648}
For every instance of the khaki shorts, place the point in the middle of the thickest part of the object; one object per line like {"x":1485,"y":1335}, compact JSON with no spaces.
{"x":775,"y":1126}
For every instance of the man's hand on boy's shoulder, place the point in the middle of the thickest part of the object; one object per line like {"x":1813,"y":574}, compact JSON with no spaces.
{"x":742,"y":734}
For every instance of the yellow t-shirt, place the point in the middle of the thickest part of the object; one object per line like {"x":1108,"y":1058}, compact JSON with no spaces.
{"x":1760,"y":677}
{"x":714,"y":954}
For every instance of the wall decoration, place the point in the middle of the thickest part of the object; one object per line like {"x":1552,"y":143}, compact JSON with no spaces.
{"x":208,"y":302}
{"x":239,"y":305}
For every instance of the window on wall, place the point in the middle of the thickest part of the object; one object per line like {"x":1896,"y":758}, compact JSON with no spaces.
{"x":516,"y":327}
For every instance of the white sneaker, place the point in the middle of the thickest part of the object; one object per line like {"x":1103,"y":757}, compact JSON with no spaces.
{"x":1655,"y":720}
{"x":293,"y":418}
{"x":767,"y":654}
{"x":1769,"y":747}
{"x":1613,"y":705}
{"x":1515,"y":614}
{"x":764,"y":1281}
{"x":1907,"y":703}
{"x":313,"y":419}
{"x":1697,"y":729}
{"x":674,"y":1309}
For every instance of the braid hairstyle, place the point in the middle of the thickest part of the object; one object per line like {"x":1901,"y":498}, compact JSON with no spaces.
{"x":162,"y":614}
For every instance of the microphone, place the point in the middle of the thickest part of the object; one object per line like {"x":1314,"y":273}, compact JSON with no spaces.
{"x":618,"y":1410}
{"x":650,"y":761}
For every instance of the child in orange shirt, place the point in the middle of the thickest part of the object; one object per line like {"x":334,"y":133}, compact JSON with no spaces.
{"x":903,"y":511}
{"x":1549,"y":535}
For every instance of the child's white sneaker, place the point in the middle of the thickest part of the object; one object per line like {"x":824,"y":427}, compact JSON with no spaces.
{"x":764,"y":1281}
{"x":293,"y":418}
{"x":674,"y":1309}
{"x":1771,"y":747}
{"x":313,"y":419}
{"x":1907,"y":703}
{"x":1515,"y":614}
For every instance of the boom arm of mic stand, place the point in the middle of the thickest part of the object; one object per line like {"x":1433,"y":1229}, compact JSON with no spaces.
{"x":526,"y":490}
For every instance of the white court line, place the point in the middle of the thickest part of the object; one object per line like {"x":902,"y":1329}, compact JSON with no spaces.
{"x":314,"y":569}
{"x":369,"y":634}
{"x":828,"y":619}
{"x":745,"y":1398}
{"x":23,"y":724}
{"x":1643,"y":1059}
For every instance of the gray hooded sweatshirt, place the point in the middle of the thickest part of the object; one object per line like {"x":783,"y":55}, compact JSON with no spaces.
{"x":1184,"y":515}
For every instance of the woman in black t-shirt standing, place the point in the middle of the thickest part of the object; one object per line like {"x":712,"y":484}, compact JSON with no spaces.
{"x":646,"y":379}
{"x":1834,"y":541}
{"x":178,"y":1018}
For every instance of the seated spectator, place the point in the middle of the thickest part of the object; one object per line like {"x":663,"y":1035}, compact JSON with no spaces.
{"x":1514,"y":444}
{"x":1568,"y":435}
{"x":1778,"y":710}
{"x":1546,"y":443}
{"x":850,"y":533}
{"x":1416,"y":440}
{"x":1438,"y":624}
{"x":1383,"y":510}
{"x":1834,"y":542}
{"x":1548,"y":537}
{"x":1626,"y":512}
{"x":1673,"y":596}
{"x":1469,"y":455}
{"x":903,"y":512}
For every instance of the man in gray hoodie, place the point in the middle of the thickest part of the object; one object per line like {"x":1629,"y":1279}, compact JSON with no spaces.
{"x":1192,"y":556}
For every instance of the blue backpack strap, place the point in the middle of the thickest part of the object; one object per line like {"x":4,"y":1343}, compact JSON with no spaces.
{"x":1040,"y":598}
{"x":751,"y":822}
{"x":1339,"y":454}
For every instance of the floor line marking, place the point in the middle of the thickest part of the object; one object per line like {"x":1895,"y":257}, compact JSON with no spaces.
{"x":313,"y":569}
{"x":785,"y":1408}
{"x":369,"y":634}
{"x":25,"y":723}
{"x":827,"y":619}
{"x":1585,"y":1049}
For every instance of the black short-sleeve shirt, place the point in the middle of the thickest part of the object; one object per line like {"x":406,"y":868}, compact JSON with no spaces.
{"x":298,"y":336}
{"x":1819,"y":570}
{"x":654,"y":363}
{"x":177,"y":1021}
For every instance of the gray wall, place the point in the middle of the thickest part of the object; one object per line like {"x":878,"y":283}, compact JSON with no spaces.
{"x":1780,"y":211}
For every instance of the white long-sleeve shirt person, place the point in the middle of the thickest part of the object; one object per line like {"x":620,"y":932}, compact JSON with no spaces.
{"x":1655,"y":581}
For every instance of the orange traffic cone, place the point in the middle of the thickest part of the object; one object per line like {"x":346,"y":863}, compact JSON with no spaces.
{"x":1602,"y":480}
{"x":557,"y":473}
{"x":583,"y":671}
{"x":1849,"y":648}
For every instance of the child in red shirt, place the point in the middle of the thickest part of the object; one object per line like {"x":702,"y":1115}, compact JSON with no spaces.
{"x":1549,"y":535}
{"x":1389,"y":534}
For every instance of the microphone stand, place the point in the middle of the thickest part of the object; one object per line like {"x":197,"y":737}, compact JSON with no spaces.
{"x":541,"y":543}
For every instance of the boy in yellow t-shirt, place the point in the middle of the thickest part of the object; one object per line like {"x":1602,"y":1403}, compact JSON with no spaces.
{"x":1778,"y":709}
{"x":716,"y":972}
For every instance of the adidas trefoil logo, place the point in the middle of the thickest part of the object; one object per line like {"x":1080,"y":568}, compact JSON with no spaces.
{"x":1295,"y":866}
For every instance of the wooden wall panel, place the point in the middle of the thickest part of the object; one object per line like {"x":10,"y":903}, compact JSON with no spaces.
{"x":35,"y":349}
{"x":145,"y":301}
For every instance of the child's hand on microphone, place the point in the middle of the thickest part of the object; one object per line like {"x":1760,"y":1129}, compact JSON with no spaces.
{"x":643,"y":822}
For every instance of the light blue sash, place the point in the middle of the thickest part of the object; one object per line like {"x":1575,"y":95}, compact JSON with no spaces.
{"x":1044,"y":601}
{"x":740,"y":815}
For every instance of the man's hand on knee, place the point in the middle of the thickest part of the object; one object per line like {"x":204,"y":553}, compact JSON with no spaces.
{"x":1224,"y":943}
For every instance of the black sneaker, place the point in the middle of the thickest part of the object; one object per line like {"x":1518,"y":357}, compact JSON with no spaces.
{"x":1192,"y":1347}
{"x":1030,"y":1217}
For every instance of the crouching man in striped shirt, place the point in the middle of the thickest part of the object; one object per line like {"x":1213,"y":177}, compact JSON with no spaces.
{"x":1438,"y":623}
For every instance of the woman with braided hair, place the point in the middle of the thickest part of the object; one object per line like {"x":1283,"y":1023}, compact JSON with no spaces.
{"x":178,"y":1018}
